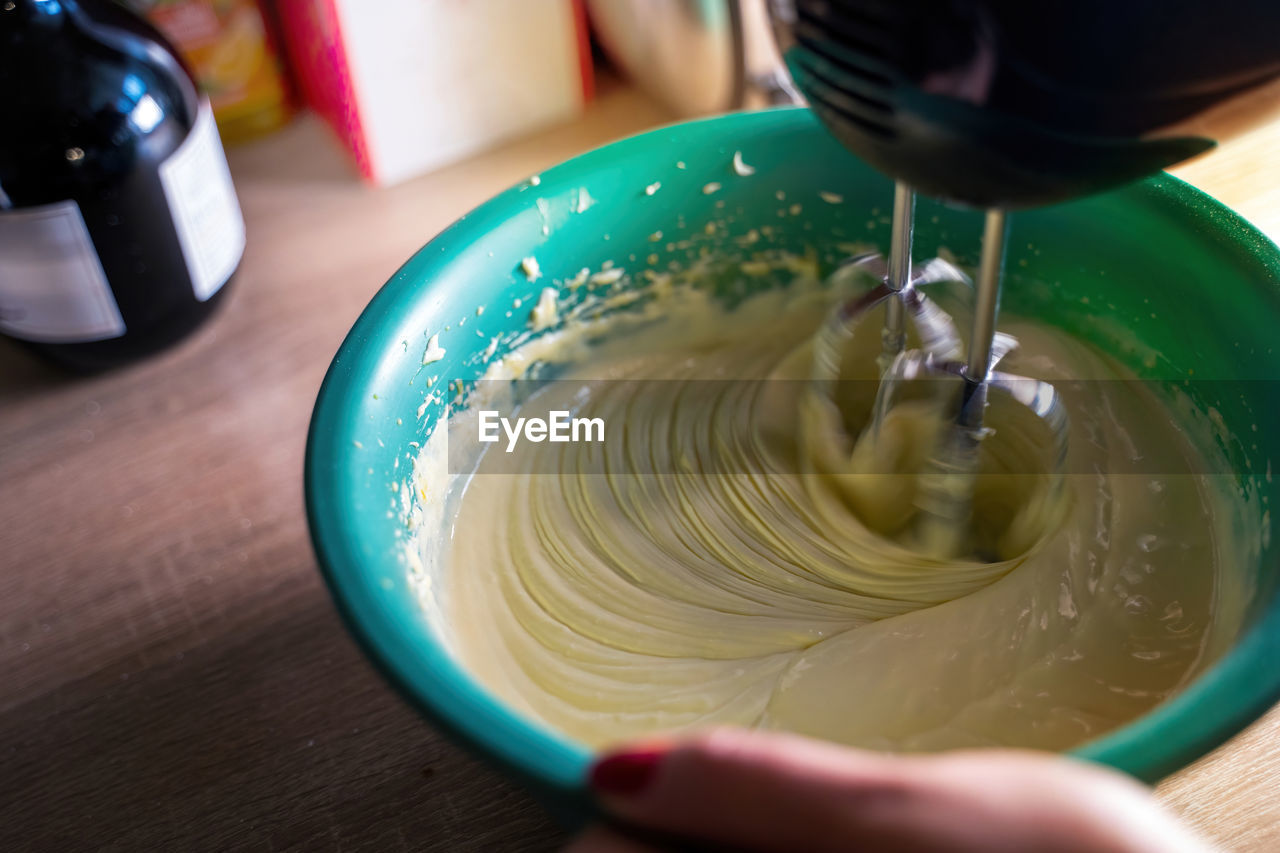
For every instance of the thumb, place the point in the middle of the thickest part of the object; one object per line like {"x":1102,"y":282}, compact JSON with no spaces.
{"x":767,"y":791}
{"x":748,"y":789}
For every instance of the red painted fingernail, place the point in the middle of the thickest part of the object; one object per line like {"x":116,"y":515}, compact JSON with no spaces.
{"x":626,"y":773}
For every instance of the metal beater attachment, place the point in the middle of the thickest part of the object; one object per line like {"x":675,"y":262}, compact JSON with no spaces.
{"x":946,"y":486}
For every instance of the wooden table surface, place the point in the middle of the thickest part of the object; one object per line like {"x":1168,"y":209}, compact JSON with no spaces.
{"x":172,"y":673}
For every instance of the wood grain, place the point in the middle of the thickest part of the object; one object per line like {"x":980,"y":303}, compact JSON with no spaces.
{"x":172,"y":673}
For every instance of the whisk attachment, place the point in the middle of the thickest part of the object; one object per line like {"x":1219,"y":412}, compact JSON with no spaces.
{"x":945,"y":492}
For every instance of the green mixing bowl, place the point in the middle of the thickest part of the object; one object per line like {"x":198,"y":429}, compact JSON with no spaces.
{"x":1155,"y":267}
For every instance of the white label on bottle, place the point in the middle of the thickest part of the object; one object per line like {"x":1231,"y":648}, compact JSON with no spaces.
{"x":197,"y":185}
{"x":52,"y":286}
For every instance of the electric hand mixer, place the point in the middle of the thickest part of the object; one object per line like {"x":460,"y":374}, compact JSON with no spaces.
{"x":1004,"y":104}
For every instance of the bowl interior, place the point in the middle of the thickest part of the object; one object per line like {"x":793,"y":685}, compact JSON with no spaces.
{"x":1167,"y":280}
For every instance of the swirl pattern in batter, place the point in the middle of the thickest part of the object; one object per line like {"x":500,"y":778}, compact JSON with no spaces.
{"x":742,"y":585}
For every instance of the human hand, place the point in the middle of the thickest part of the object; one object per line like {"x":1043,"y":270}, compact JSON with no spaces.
{"x":761,"y":791}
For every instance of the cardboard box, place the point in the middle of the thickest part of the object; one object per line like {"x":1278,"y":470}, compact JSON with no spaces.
{"x":413,"y":85}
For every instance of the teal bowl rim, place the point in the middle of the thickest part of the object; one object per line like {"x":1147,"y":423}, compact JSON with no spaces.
{"x":1219,"y":703}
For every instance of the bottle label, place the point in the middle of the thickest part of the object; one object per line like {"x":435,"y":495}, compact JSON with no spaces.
{"x":197,"y":185}
{"x":52,"y":286}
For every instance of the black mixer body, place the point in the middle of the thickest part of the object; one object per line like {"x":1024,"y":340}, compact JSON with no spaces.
{"x":1019,"y":103}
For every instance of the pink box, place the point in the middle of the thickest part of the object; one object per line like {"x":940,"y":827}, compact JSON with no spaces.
{"x":413,"y":85}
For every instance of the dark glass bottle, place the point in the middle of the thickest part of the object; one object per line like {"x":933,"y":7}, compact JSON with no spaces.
{"x":119,"y":227}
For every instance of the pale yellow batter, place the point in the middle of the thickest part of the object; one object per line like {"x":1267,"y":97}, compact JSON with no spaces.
{"x":610,"y":603}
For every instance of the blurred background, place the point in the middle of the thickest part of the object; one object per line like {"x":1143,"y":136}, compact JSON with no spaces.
{"x":411,"y":86}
